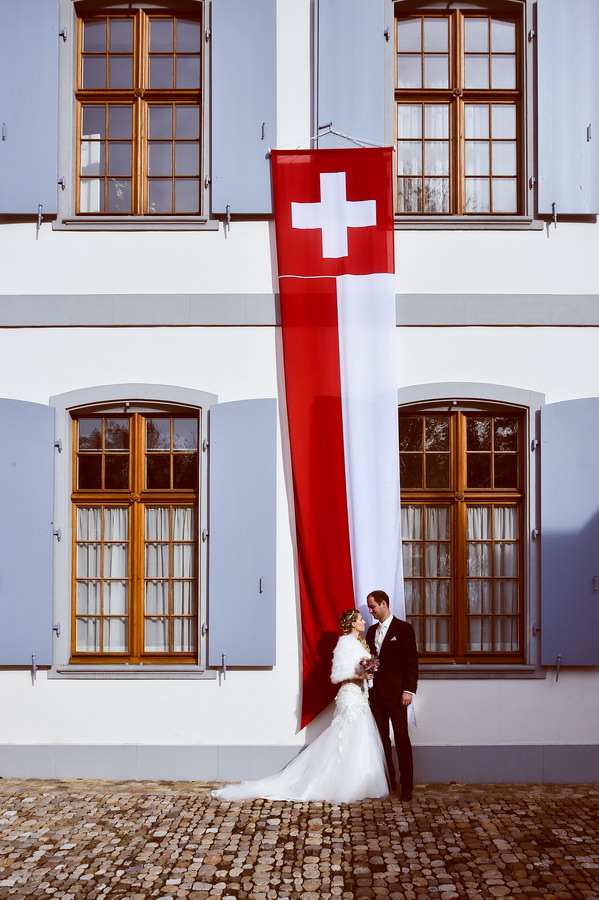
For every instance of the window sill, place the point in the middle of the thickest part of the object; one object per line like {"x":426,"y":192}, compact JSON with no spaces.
{"x":136,"y":223}
{"x":454,"y":671}
{"x":132,"y":672}
{"x":468,"y":223}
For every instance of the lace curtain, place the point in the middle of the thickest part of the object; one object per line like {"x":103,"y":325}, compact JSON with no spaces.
{"x":427,"y":572}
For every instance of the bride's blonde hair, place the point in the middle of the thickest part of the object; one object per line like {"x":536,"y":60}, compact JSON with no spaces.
{"x":347,"y":619}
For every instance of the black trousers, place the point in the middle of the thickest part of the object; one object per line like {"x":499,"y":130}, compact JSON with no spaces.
{"x":387,"y":712}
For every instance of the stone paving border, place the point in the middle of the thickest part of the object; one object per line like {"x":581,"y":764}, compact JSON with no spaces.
{"x":92,"y":839}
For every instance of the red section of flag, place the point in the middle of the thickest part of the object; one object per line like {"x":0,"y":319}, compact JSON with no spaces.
{"x":314,"y":248}
{"x":312,"y":380}
{"x":297,"y":178}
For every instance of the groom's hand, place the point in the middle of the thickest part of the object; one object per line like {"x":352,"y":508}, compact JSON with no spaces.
{"x":406,"y":698}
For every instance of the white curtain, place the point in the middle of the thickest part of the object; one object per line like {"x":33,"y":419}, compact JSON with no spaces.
{"x":492,"y":534}
{"x":426,"y":532}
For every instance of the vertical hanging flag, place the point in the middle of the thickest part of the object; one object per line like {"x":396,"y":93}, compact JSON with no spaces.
{"x":334,"y":230}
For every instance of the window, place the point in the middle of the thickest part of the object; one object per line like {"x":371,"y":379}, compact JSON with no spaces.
{"x":462,"y":497}
{"x":135,"y":521}
{"x":139,"y":114}
{"x":459,"y":100}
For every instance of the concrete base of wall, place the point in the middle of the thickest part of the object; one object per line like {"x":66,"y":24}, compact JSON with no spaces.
{"x":563,"y":764}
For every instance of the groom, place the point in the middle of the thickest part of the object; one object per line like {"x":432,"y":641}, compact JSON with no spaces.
{"x":395,"y":681}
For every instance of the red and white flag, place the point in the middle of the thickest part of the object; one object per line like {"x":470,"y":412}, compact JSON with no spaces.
{"x":334,"y":231}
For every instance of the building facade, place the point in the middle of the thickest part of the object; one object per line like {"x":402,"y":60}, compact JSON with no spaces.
{"x":147,"y":573}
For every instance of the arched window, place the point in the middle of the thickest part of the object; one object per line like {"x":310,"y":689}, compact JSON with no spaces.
{"x":459,"y":95}
{"x":463,"y":518}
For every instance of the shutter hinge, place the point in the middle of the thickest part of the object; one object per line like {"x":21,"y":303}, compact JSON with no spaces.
{"x":56,"y":628}
{"x":63,"y":33}
{"x":204,"y":629}
{"x":58,"y":445}
{"x":589,"y":132}
{"x":40,"y":219}
{"x":57,"y":534}
{"x":33,"y":667}
{"x":532,"y":181}
{"x":205,"y":445}
{"x":62,"y":182}
{"x":205,"y":534}
{"x":207,"y":35}
{"x":531,"y":35}
{"x":4,"y":131}
{"x":387,"y":33}
{"x":224,"y":659}
{"x":207,"y":181}
{"x":535,"y":533}
{"x":558,"y":665}
{"x":535,"y":444}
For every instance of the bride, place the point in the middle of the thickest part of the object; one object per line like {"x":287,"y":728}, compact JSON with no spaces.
{"x":346,"y":762}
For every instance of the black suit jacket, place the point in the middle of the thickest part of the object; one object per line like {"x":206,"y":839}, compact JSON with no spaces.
{"x":398,"y":670}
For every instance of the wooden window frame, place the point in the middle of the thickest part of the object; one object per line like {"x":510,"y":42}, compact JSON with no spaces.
{"x":458,"y":497}
{"x":456,"y":95}
{"x":140,"y":97}
{"x":136,"y":498}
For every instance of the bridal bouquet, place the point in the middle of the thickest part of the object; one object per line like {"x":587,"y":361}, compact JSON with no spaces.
{"x":369,"y":664}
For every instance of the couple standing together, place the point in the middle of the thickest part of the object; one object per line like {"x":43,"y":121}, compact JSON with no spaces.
{"x":353,"y":758}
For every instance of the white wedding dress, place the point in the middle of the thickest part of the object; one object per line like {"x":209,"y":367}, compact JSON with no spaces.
{"x":345,"y":763}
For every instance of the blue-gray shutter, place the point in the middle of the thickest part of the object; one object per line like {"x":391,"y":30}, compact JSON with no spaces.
{"x":241,"y":557}
{"x":243,"y":105}
{"x":568,"y":106}
{"x":350,"y":76}
{"x":570,"y":533}
{"x":26,"y":532}
{"x":28,"y":106}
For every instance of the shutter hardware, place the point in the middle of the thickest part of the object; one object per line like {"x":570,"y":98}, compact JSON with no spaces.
{"x":558,"y":665}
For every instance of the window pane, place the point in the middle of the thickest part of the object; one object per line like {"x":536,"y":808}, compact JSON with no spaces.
{"x":411,"y":522}
{"x":437,"y":470}
{"x":90,"y":434}
{"x":183,"y":561}
{"x":503,"y":36}
{"x":187,"y":159}
{"x":185,"y":434}
{"x":437,"y":559}
{"x":94,"y":72}
{"x":115,"y":597}
{"x":505,"y":433}
{"x":88,"y":562}
{"x":160,"y":158}
{"x":89,"y":523}
{"x":160,"y":198}
{"x":479,"y":595}
{"x":161,"y":35}
{"x":90,"y":471}
{"x":157,"y":561}
{"x":92,"y":158}
{"x":161,"y":122}
{"x":88,"y":598}
{"x":479,"y":470}
{"x":436,"y":71}
{"x":119,"y":158}
{"x":88,"y":635}
{"x":158,"y":471}
{"x":412,"y":558}
{"x":477,"y":120}
{"x":156,"y":636}
{"x":158,"y":433}
{"x":409,"y":35}
{"x":479,"y":559}
{"x":91,"y":197}
{"x":478,"y":523}
{"x":119,"y":195}
{"x":184,"y":635}
{"x":121,"y":35}
{"x":436,"y":156}
{"x":436,"y":35}
{"x":189,"y":36}
{"x":94,"y":36}
{"x":116,"y":434}
{"x":505,"y":522}
{"x":506,"y":596}
{"x":438,"y":596}
{"x":161,"y":72}
{"x":437,"y":433}
{"x":476,"y":71}
{"x":185,"y":471}
{"x":436,"y":195}
{"x":476,"y":35}
{"x":116,"y":472}
{"x":119,"y":121}
{"x":409,"y":71}
{"x":506,"y":558}
{"x":503,"y":72}
{"x":93,"y":122}
{"x":410,"y":433}
{"x":438,"y":523}
{"x":409,"y":160}
{"x":187,"y":122}
{"x":505,"y":195}
{"x":410,"y":469}
{"x":120,"y":72}
{"x":436,"y":120}
{"x":477,"y":195}
{"x":115,"y":635}
{"x":504,"y":121}
{"x":477,"y":158}
{"x":409,"y":121}
{"x":188,"y":72}
{"x":156,"y":602}
{"x":187,"y":195}
{"x":409,"y":195}
{"x":504,"y":157}
{"x":506,"y":471}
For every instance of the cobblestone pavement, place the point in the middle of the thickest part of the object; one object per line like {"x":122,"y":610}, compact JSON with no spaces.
{"x":93,"y":839}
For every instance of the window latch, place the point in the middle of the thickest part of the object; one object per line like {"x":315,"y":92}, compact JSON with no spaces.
{"x":40,"y":219}
{"x":33,"y":668}
{"x":224,"y":666}
{"x":558,"y":665}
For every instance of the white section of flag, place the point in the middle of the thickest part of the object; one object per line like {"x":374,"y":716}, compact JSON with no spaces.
{"x":368,"y":355}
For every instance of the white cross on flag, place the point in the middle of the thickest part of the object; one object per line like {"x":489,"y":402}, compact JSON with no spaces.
{"x":334,"y":228}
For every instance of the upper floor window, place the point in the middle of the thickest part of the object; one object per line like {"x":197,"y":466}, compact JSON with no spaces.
{"x":139,"y":96}
{"x":462,"y":483}
{"x":459,"y":113}
{"x":135,"y":522}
